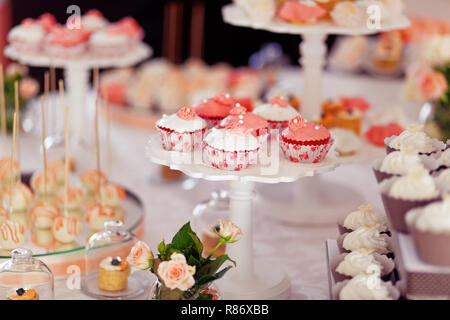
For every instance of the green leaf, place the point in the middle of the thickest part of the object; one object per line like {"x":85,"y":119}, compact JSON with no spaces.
{"x":182,"y":239}
{"x":192,"y":261}
{"x":168,"y":294}
{"x":205,"y":296}
{"x":198,"y":244}
{"x":212,"y":266}
{"x":162,"y":248}
{"x":204,"y":280}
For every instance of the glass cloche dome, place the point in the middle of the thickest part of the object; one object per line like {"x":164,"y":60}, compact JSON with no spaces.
{"x":108,"y":274}
{"x":25,"y":278}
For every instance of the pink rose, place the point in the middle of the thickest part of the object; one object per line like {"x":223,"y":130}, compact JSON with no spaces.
{"x":28,"y":88}
{"x":14,"y":68}
{"x":229,"y":231}
{"x":433,"y":85}
{"x":140,"y":256}
{"x":176,"y":273}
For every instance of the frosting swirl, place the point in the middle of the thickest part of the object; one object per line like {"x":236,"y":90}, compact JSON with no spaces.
{"x":365,"y":216}
{"x":433,"y":218}
{"x":443,"y":181}
{"x":416,"y":185}
{"x":186,"y":113}
{"x":399,"y":162}
{"x":415,"y":138}
{"x":357,"y":262}
{"x":444,"y":159}
{"x":368,"y":238}
{"x":366,"y":287}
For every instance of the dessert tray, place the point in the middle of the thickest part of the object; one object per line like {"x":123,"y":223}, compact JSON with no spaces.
{"x":59,"y":257}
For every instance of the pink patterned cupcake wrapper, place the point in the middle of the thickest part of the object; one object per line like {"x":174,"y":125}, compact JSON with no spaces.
{"x":229,"y":160}
{"x":280,"y":125}
{"x":305,"y":153}
{"x":181,"y":141}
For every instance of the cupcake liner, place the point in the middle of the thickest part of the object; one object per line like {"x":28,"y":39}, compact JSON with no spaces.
{"x":380,"y":175}
{"x":181,"y":141}
{"x":229,"y":160}
{"x":394,"y":292}
{"x":432,"y":248}
{"x":212,"y":122}
{"x":305,"y":153}
{"x":387,"y":264}
{"x":65,"y":52}
{"x":342,"y":230}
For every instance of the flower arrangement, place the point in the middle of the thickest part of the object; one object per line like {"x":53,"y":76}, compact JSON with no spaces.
{"x":182,"y":270}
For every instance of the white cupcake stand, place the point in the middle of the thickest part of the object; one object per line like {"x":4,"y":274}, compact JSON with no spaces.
{"x":252,"y":278}
{"x":76,"y":74}
{"x":316,"y":198}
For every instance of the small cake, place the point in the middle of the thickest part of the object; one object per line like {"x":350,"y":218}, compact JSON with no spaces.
{"x":66,"y":229}
{"x":182,"y":131}
{"x":350,"y":53}
{"x":258,"y":125}
{"x":430,"y":228}
{"x":75,"y":198}
{"x":346,"y":141}
{"x":214,"y":110}
{"x":47,"y":21}
{"x":305,"y":142}
{"x":112,"y":195}
{"x":113,"y":274}
{"x":347,"y":14}
{"x":27,"y":37}
{"x":91,"y":180}
{"x":350,"y":119}
{"x":365,"y":216}
{"x":5,"y":171}
{"x":371,"y":238}
{"x":97,"y":215}
{"x":230,"y":149}
{"x":400,"y":194}
{"x":365,"y":286}
{"x":66,"y":43}
{"x":378,"y":133}
{"x":277,"y":112}
{"x":41,"y":189}
{"x":21,"y":197}
{"x":43,"y":214}
{"x":12,"y":235}
{"x":355,"y":103}
{"x":210,"y":240}
{"x":301,"y":12}
{"x":24,"y":294}
{"x":93,"y":20}
{"x":417,"y":139}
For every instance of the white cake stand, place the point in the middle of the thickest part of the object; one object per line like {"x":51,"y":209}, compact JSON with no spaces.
{"x":253,"y":278}
{"x":312,"y":49}
{"x":76,"y":74}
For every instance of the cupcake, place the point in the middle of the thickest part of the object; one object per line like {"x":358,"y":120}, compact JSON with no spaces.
{"x":347,"y":14}
{"x":12,"y":235}
{"x":305,"y":142}
{"x":417,"y":139}
{"x":349,"y":265}
{"x":93,"y":20}
{"x":258,"y":126}
{"x":182,"y":131}
{"x":401,"y":194}
{"x":443,"y":181}
{"x":113,"y":274}
{"x":347,"y":143}
{"x":41,"y":189}
{"x":97,"y":215}
{"x":444,"y":160}
{"x":23,"y":294}
{"x":43,"y":214}
{"x":92,"y":179}
{"x":350,"y":119}
{"x":371,"y":238}
{"x":277,"y":112}
{"x":430,"y":228}
{"x":365,"y":216}
{"x":21,"y":197}
{"x":27,"y":37}
{"x":66,"y":43}
{"x":365,"y":286}
{"x":210,"y":240}
{"x":215,"y":109}
{"x":233,"y":148}
{"x":47,"y":21}
{"x":301,"y":11}
{"x":66,"y":229}
{"x":75,"y":198}
{"x":112,"y":194}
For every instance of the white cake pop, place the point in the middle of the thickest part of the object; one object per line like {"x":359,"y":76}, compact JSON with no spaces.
{"x":22,"y":196}
{"x":112,"y":194}
{"x":43,"y":214}
{"x":42,"y":189}
{"x":66,"y":229}
{"x":75,"y":197}
{"x":97,"y":215}
{"x":90,"y":180}
{"x":3,"y":214}
{"x":12,"y":235}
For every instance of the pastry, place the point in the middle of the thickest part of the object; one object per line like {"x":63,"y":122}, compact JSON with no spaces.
{"x":365,"y":286}
{"x":261,"y":11}
{"x":347,"y":14}
{"x":277,"y":112}
{"x":66,"y":43}
{"x":24,"y":294}
{"x":93,"y":20}
{"x":301,"y":11}
{"x":230,"y":149}
{"x":112,"y":195}
{"x":41,"y":189}
{"x":182,"y":131}
{"x":388,"y":53}
{"x":305,"y":142}
{"x":27,"y":37}
{"x":210,"y":240}
{"x":346,"y":141}
{"x":43,"y":214}
{"x":113,"y":274}
{"x":66,"y":229}
{"x":215,"y":109}
{"x":12,"y":235}
{"x":75,"y":198}
{"x":97,"y":215}
{"x":417,"y":139}
{"x":365,"y":216}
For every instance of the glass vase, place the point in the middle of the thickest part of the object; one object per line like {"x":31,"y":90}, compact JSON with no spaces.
{"x":160,"y":292}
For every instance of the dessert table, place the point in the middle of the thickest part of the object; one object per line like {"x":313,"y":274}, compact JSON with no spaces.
{"x":298,"y":249}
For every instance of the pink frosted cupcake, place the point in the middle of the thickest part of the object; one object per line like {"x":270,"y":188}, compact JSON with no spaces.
{"x":277,"y":112}
{"x":300,"y":12}
{"x":234,"y":148}
{"x":182,"y":131}
{"x":257,"y":124}
{"x":214,"y":110}
{"x":27,"y":37}
{"x":47,"y":21}
{"x":62,"y":42}
{"x":93,"y":20}
{"x":305,"y":142}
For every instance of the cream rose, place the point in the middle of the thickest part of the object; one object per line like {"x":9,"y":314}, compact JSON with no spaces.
{"x":140,"y":256}
{"x":28,"y":88}
{"x":433,"y":85}
{"x":176,"y":273}
{"x":229,"y":230}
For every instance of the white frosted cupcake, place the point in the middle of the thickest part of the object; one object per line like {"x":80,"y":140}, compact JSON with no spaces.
{"x":93,"y":20}
{"x":27,"y":37}
{"x":182,"y":131}
{"x":400,"y":194}
{"x":347,"y":14}
{"x":370,"y":238}
{"x":365,"y":216}
{"x":443,"y":181}
{"x":346,"y":141}
{"x":277,"y":112}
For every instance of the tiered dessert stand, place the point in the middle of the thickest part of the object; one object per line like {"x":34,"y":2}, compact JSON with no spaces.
{"x":76,"y":74}
{"x":252,"y":278}
{"x":310,"y":194}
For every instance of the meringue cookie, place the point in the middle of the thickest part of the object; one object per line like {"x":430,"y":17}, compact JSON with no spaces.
{"x":365,"y":216}
{"x":366,"y":287}
{"x":418,"y":184}
{"x":357,"y":262}
{"x":399,"y":162}
{"x":368,"y":238}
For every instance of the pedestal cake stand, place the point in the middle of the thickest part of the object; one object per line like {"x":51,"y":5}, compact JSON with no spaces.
{"x":252,"y":278}
{"x":76,"y":74}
